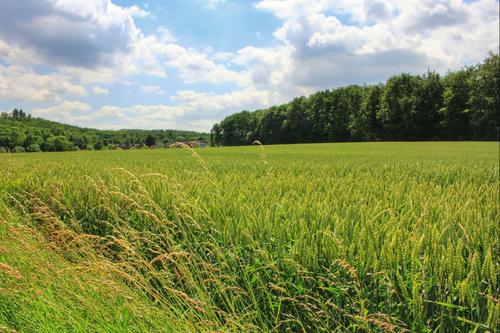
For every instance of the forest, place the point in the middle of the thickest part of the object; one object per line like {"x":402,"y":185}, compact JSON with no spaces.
{"x":19,"y":132}
{"x":461,"y":105}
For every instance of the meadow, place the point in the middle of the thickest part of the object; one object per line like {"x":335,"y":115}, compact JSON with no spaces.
{"x":343,"y":237}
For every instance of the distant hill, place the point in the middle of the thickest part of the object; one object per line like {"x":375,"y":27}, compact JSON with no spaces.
{"x":20,"y":132}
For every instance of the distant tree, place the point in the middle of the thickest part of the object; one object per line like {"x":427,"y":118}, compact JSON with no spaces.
{"x":484,"y":98}
{"x":98,"y":145}
{"x":428,"y":101}
{"x":297,"y":126}
{"x":215,"y":135}
{"x":33,"y":148}
{"x":78,"y":141}
{"x":398,"y":110}
{"x":238,"y":129}
{"x":150,"y":140}
{"x":7,"y":142}
{"x":18,"y":129}
{"x":59,"y":143}
{"x":271,"y":125}
{"x":455,"y":113}
{"x":338,"y":114}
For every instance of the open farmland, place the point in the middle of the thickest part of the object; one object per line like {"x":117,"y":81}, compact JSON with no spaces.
{"x":349,"y":237}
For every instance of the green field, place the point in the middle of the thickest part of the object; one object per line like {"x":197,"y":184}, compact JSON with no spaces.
{"x":347,"y":237}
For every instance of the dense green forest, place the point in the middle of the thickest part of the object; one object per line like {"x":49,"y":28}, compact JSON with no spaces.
{"x":462,"y":105}
{"x":20,"y":132}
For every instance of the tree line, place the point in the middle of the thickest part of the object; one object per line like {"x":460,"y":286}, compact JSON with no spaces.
{"x":20,"y":132}
{"x":462,"y":105}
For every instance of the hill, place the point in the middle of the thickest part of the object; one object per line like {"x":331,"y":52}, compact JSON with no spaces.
{"x":20,"y":132}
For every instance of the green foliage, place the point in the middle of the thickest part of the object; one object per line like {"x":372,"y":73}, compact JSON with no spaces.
{"x":17,"y":129}
{"x":18,"y":149}
{"x":33,"y":148}
{"x":464,"y":105}
{"x":150,"y":140}
{"x":98,"y":145}
{"x":58,"y":143}
{"x":484,"y":98}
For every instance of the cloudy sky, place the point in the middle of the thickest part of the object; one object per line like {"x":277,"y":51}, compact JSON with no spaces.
{"x":188,"y":63}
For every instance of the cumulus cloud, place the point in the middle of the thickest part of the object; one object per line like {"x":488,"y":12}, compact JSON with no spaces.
{"x":71,"y":32}
{"x":330,"y":43}
{"x":190,"y":110}
{"x":95,"y":42}
{"x":20,"y":83}
{"x":153,"y":56}
{"x":100,"y":91}
{"x":211,"y":4}
{"x":249,"y":98}
{"x":64,"y":107}
{"x":153,"y":89}
{"x":70,"y":112}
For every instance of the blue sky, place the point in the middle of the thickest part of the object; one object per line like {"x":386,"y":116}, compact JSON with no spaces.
{"x":188,"y":63}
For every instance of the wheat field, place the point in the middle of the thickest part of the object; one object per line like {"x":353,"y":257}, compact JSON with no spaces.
{"x":346,"y":237}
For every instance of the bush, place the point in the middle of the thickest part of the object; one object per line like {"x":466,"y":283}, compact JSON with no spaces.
{"x":58,"y":143}
{"x":111,"y":147}
{"x":18,"y":149}
{"x":33,"y":148}
{"x":98,"y":145}
{"x":3,"y":150}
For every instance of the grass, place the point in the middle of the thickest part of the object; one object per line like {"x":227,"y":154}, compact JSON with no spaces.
{"x":351,"y":237}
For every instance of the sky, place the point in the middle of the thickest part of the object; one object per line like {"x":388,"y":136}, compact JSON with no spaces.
{"x":186,"y":64}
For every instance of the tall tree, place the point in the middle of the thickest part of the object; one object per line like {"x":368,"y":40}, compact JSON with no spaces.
{"x":455,"y":113}
{"x":429,"y":100}
{"x":150,"y":140}
{"x":484,"y":98}
{"x":399,"y":102}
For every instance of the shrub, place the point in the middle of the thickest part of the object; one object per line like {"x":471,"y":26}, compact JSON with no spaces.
{"x":58,"y":143}
{"x":33,"y":148}
{"x":98,"y":145}
{"x":18,"y":149}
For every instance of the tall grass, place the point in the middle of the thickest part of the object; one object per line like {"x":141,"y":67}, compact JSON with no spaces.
{"x":304,"y":238}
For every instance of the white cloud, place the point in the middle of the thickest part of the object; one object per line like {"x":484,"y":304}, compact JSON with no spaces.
{"x":153,"y":56}
{"x":95,"y":42}
{"x":152,"y":90}
{"x":63,"y":107}
{"x":23,"y":84}
{"x":100,"y":91}
{"x":249,"y":98}
{"x":330,"y":43}
{"x":191,"y":110}
{"x":16,"y":55}
{"x":70,"y":112}
{"x":137,"y":12}
{"x":71,"y":32}
{"x":211,"y":4}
